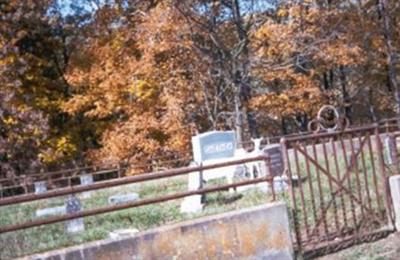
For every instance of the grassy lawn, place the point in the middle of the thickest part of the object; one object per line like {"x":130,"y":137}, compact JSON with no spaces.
{"x":40,"y":239}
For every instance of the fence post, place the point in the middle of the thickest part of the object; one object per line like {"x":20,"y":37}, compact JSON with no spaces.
{"x":293,"y":208}
{"x":385,"y":179}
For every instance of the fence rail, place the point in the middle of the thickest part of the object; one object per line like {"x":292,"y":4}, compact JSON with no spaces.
{"x":129,"y":180}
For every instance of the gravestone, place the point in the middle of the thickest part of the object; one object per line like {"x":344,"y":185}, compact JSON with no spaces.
{"x":209,"y":148}
{"x":390,"y":150}
{"x":274,"y":151}
{"x":120,"y":199}
{"x":73,"y":205}
{"x":86,"y":179}
{"x":123,"y":233}
{"x":51,"y":211}
{"x":40,"y":187}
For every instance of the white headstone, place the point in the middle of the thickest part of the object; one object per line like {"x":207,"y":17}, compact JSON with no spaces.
{"x":86,"y":179}
{"x":119,"y":199}
{"x":209,"y":148}
{"x":51,"y":211}
{"x":40,"y":187}
{"x":123,"y":233}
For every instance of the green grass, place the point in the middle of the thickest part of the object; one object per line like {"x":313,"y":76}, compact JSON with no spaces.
{"x":44,"y":238}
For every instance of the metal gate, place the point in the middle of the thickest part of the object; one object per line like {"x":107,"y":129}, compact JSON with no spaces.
{"x":339,"y":189}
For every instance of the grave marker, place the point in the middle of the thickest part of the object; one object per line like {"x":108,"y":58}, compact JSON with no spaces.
{"x":86,"y":179}
{"x":209,"y":148}
{"x":73,"y":205}
{"x":390,"y":149}
{"x":51,"y":211}
{"x":119,"y":199}
{"x":40,"y":187}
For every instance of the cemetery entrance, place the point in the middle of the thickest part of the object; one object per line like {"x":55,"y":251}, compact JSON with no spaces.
{"x":340,"y":196}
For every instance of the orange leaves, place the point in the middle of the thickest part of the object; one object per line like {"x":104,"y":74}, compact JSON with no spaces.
{"x":303,"y":97}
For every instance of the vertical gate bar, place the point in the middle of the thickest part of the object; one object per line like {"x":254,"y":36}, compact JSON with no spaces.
{"x":303,"y":205}
{"x":357,"y":173}
{"x":330,"y":184}
{"x":333,"y":144}
{"x":270,"y":181}
{"x":347,"y":163}
{"x":296,"y":224}
{"x":396,"y":153}
{"x":383,"y":174}
{"x":308,"y":170}
{"x":321,"y":194}
{"x":374,"y":175}
{"x":365,"y":172}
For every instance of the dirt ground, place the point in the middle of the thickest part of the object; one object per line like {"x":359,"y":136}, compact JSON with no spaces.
{"x":386,"y":248}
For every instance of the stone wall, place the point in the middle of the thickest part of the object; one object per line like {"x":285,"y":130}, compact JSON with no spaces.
{"x":260,"y":232}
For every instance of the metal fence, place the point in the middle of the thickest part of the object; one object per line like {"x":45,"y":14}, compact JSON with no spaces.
{"x":339,"y":188}
{"x":24,"y":184}
{"x":127,"y":180}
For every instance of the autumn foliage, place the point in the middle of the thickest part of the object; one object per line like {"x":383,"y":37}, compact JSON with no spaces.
{"x":131,"y":81}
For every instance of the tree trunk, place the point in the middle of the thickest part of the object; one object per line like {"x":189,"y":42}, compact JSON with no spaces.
{"x":238,"y":120}
{"x":390,"y":51}
{"x":345,"y":95}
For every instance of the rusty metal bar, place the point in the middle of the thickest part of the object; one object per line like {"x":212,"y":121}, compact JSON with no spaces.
{"x":365,"y":175}
{"x":336,"y":163}
{"x":321,"y":196}
{"x":97,"y":211}
{"x":374,"y":175}
{"x":311,"y":188}
{"x":302,"y":200}
{"x":385,"y":180}
{"x":395,"y":153}
{"x":122,"y":181}
{"x":329,"y":134}
{"x":296,"y":223}
{"x":357,"y":173}
{"x":335,"y":211}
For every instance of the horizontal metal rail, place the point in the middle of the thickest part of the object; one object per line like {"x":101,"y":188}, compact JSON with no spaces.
{"x":123,"y":181}
{"x":143,"y":202}
{"x":47,"y":175}
{"x":332,"y":134}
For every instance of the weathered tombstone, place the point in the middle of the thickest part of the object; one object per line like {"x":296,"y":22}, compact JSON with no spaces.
{"x":40,"y":187}
{"x":51,"y":211}
{"x":86,"y":179}
{"x":120,"y":199}
{"x":123,"y":233}
{"x":276,"y":168}
{"x":390,"y":150}
{"x":213,"y":147}
{"x":209,"y":148}
{"x":73,"y":205}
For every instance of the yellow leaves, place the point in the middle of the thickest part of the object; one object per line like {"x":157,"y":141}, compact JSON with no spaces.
{"x":61,"y":148}
{"x":144,"y":90}
{"x":282,"y":12}
{"x":10,"y":121}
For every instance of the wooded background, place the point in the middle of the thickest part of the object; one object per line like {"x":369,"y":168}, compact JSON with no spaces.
{"x":105,"y":81}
